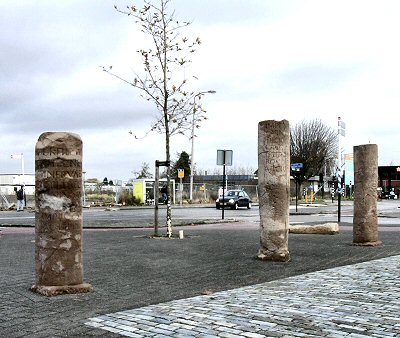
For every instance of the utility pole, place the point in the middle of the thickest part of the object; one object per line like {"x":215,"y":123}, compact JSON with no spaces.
{"x":193,"y":136}
{"x":341,"y":133}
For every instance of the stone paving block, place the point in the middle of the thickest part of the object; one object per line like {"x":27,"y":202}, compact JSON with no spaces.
{"x":186,"y":333}
{"x":207,"y":331}
{"x":252,"y":335}
{"x":159,"y":331}
{"x":95,"y":324}
{"x":162,"y":320}
{"x":187,"y":322}
{"x":224,"y":324}
{"x":127,"y":328}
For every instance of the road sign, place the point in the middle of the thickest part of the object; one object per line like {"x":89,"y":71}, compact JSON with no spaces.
{"x":296,"y":165}
{"x":181,"y":173}
{"x":163,"y":163}
{"x":341,"y":127}
{"x":224,"y":157}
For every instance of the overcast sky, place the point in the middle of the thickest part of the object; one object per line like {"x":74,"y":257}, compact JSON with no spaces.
{"x":266,"y":59}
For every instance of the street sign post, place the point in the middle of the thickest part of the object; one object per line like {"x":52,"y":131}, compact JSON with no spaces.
{"x":224,"y":158}
{"x":296,"y":169}
{"x":181,"y":174}
{"x":158,"y":164}
{"x":163,"y":163}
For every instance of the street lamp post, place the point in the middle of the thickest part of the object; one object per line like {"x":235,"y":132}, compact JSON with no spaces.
{"x":83,"y":188}
{"x":192,"y":153}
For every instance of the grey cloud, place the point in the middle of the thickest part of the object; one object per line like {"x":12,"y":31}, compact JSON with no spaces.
{"x":313,"y":78}
{"x":85,"y":112}
{"x":35,"y":40}
{"x":232,"y":11}
{"x":43,"y":42}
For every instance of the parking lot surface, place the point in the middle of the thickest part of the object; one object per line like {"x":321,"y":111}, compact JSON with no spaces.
{"x":130,"y":271}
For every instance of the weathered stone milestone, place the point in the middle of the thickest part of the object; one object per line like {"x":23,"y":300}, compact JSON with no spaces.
{"x":365,"y":221}
{"x":58,"y":229}
{"x":273,"y":185}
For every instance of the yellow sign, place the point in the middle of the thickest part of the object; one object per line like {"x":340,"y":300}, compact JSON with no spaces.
{"x":181,"y":173}
{"x":348,"y":157}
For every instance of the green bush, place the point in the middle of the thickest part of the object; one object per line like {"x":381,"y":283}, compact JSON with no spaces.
{"x":100,"y":198}
{"x":127,"y":198}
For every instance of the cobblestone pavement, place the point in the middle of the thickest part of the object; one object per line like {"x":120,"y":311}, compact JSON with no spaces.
{"x":360,"y":300}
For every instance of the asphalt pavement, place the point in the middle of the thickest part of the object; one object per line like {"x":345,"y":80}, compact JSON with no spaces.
{"x":130,"y":272}
{"x":126,"y":217}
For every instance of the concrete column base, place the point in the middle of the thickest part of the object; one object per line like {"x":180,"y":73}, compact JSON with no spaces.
{"x":51,"y":291}
{"x":274,"y":256}
{"x":377,"y":243}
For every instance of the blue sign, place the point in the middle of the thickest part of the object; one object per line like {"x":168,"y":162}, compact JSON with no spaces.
{"x":296,"y":165}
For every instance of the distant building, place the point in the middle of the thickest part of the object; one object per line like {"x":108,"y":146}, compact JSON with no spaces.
{"x":143,"y":189}
{"x":389,"y":178}
{"x":9,"y":181}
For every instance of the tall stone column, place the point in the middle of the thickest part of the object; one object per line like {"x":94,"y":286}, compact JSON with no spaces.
{"x":58,"y":229}
{"x":273,"y":187}
{"x":365,"y":221}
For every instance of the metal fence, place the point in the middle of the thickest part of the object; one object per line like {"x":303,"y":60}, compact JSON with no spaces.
{"x":208,"y":192}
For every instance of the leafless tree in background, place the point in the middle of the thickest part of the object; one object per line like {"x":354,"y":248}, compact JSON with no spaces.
{"x":315,"y":145}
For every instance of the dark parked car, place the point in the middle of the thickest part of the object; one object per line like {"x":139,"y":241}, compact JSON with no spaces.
{"x":234,"y":199}
{"x":390,"y":195}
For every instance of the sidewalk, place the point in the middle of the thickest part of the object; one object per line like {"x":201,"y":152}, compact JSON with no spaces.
{"x":130,"y":271}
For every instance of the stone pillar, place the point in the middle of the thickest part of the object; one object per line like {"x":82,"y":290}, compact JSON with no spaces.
{"x":274,"y":187}
{"x":58,"y":229}
{"x":365,"y":221}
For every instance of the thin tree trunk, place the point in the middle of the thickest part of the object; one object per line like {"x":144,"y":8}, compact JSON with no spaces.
{"x":167,"y":133}
{"x":169,"y":213}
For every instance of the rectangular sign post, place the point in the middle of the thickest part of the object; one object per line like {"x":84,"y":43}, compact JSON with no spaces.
{"x":158,"y":164}
{"x":296,"y":169}
{"x":181,"y":174}
{"x":224,"y":158}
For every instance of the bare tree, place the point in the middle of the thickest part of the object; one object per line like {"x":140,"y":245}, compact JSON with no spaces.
{"x":314,"y":144}
{"x":164,"y":82}
{"x":235,"y":170}
{"x":240,"y":170}
{"x":144,"y":171}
